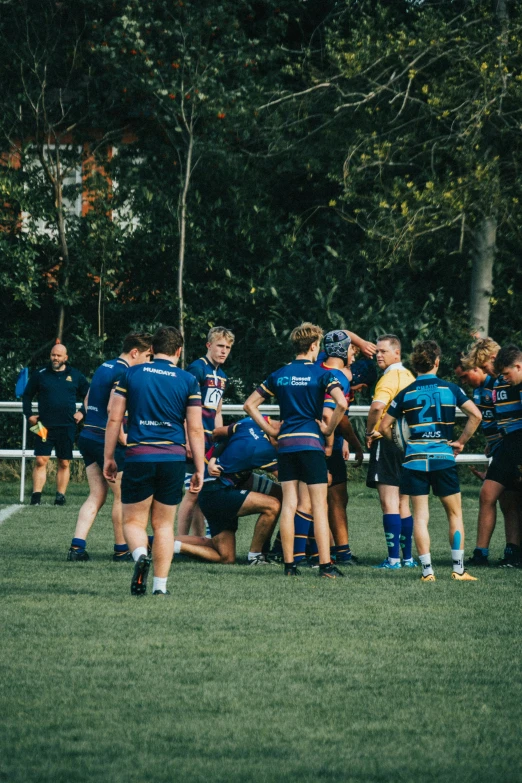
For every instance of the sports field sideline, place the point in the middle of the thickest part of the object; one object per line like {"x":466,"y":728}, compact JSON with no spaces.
{"x":243,"y":675}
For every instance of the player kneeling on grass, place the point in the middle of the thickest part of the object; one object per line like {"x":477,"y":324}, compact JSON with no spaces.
{"x":232,"y":490}
{"x":159,"y":398}
{"x":136,"y":350}
{"x":428,"y":405}
{"x":300,"y":388}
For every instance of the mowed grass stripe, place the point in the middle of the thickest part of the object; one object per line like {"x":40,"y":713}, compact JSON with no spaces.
{"x":244,"y":675}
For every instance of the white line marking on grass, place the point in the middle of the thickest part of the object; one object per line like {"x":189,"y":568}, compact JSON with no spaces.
{"x":5,"y":513}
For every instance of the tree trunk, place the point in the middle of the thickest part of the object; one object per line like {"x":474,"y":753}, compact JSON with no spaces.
{"x":482,"y":274}
{"x":60,"y":220}
{"x":182,"y":239}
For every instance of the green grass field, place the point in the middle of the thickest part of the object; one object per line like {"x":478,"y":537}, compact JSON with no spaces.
{"x":245,"y":676}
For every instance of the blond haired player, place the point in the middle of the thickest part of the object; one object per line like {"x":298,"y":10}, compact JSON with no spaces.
{"x":208,"y":371}
{"x":384,"y":468}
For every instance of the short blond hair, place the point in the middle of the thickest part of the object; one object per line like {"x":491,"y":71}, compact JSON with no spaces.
{"x":480,"y":353}
{"x":220,"y":331}
{"x":304,"y":335}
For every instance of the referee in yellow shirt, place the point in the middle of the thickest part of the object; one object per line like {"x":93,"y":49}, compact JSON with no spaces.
{"x":384,"y":468}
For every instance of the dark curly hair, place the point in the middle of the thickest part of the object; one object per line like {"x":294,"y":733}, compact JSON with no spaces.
{"x":507,"y":356}
{"x":424,"y":355}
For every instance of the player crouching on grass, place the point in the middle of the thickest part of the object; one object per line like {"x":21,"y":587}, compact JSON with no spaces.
{"x":428,"y":404}
{"x":231,"y":490}
{"x":159,"y":398}
{"x":300,"y":388}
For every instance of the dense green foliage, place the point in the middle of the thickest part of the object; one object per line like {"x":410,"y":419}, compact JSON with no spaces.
{"x":340,"y":158}
{"x":243,"y":675}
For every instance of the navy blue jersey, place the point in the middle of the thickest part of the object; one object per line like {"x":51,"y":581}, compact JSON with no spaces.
{"x":299,"y":388}
{"x":329,"y":402}
{"x":102,"y":384}
{"x":212,"y":383}
{"x":57,"y":393}
{"x":483,"y":399}
{"x":428,"y":404}
{"x":158,"y":394}
{"x":248,"y":447}
{"x":508,"y":406}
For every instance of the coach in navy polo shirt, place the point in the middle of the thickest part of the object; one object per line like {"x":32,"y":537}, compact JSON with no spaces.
{"x":58,"y":386}
{"x":158,"y":396}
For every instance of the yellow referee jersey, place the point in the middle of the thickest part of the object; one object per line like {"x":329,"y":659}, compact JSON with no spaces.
{"x":394,"y":379}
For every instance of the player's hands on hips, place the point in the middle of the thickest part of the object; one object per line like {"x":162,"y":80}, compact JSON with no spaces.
{"x":324,"y":427}
{"x":110,"y":470}
{"x":78,"y":416}
{"x":32,"y":420}
{"x":457,"y":447}
{"x":196,"y":482}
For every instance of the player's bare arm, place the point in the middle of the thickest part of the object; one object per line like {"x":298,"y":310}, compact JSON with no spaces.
{"x":251,"y":407}
{"x":114,"y":424}
{"x":367,"y":348}
{"x":196,"y":438}
{"x":386,"y":426}
{"x":336,"y":415}
{"x":374,"y":414}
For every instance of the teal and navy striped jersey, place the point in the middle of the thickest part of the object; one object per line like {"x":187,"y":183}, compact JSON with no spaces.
{"x":329,"y":402}
{"x":212,"y":383}
{"x":483,"y":399}
{"x":299,"y":388}
{"x":248,"y":447}
{"x":508,"y":406}
{"x":158,"y":394}
{"x":428,"y":405}
{"x":102,"y":384}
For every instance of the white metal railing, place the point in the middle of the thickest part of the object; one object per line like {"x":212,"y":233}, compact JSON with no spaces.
{"x":357,"y":411}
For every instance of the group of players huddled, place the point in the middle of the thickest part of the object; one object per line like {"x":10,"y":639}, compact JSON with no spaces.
{"x":152,"y":428}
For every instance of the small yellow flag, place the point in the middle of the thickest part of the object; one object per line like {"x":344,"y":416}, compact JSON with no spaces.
{"x":40,"y":430}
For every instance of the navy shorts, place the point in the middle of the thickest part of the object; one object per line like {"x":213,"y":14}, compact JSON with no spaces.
{"x":92,"y":452}
{"x":164,"y":480}
{"x":337,"y":468}
{"x":385,"y":464}
{"x":307,"y":466}
{"x":61,"y":439}
{"x":221,"y":506}
{"x":506,"y":466}
{"x":418,"y":482}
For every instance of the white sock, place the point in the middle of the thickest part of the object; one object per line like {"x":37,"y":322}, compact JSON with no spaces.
{"x":394,"y":560}
{"x":426,"y":564}
{"x":140,"y":550}
{"x":159,"y":583}
{"x":457,"y":555}
{"x":177,"y":547}
{"x":253,"y":555}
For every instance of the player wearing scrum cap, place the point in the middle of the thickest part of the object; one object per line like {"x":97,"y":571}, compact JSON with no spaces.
{"x":340,"y":353}
{"x":384,"y":468}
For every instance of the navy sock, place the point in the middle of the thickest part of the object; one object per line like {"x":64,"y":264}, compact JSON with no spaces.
{"x":312,"y":546}
{"x":392,"y":531}
{"x":341,"y":554}
{"x":151,"y":540}
{"x":78,"y":543}
{"x":121,"y":548}
{"x":301,"y":527}
{"x":406,"y":536}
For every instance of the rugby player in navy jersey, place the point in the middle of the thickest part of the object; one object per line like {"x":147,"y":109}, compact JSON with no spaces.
{"x":232,"y":490}
{"x":476,"y":369}
{"x":340,"y":354}
{"x":504,"y":473}
{"x":135,"y":350}
{"x":159,"y":398}
{"x":428,"y":404}
{"x":208,"y":371}
{"x":300,"y":388}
